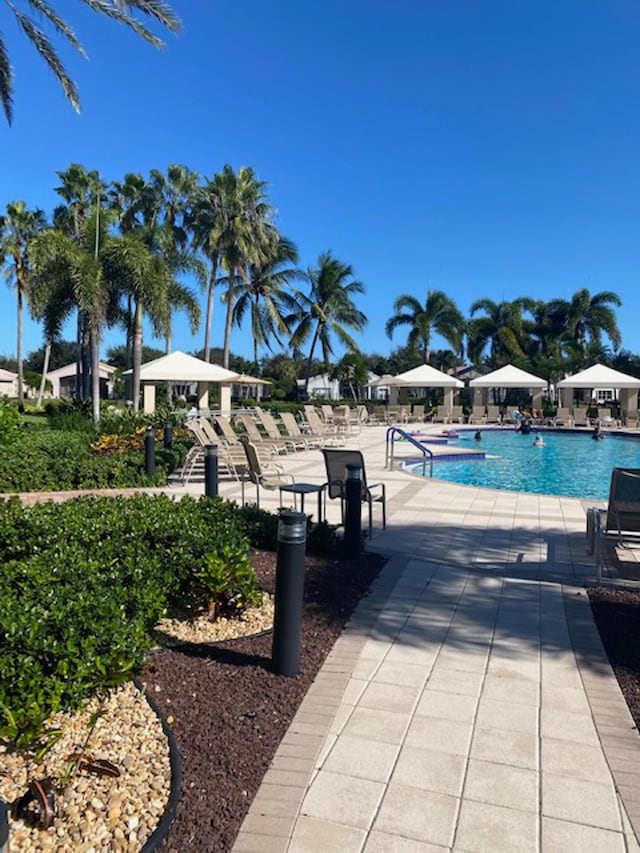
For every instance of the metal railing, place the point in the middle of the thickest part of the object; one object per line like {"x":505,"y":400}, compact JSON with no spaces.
{"x":394,"y":431}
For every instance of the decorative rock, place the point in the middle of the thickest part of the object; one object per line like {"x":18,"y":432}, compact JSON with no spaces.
{"x":98,"y":814}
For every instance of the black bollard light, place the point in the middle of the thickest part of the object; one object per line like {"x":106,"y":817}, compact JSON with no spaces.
{"x":287,"y":619}
{"x":4,"y":827}
{"x":353,"y":512}
{"x":150,"y":452}
{"x":211,"y":470}
{"x":168,"y":434}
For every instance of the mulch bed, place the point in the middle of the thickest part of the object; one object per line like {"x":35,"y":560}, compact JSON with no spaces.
{"x":617,"y":615}
{"x":229,"y":712}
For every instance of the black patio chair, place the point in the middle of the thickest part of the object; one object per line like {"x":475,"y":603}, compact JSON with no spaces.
{"x":336,"y":462}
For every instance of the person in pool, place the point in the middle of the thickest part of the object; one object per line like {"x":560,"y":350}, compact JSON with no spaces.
{"x":478,"y":436}
{"x":596,"y":435}
{"x":539,"y":441}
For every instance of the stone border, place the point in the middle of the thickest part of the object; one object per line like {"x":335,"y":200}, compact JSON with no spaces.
{"x":611,"y":716}
{"x":158,"y":835}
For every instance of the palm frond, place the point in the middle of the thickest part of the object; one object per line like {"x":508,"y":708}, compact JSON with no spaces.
{"x":6,"y":82}
{"x":50,"y":56}
{"x":58,"y":23}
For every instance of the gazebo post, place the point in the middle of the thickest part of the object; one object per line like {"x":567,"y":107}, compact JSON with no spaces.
{"x":225,"y":398}
{"x":448,"y":398}
{"x":149,"y":397}
{"x":536,"y":399}
{"x":203,"y":396}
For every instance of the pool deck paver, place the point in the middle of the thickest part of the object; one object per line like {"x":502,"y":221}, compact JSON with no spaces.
{"x":468,"y":704}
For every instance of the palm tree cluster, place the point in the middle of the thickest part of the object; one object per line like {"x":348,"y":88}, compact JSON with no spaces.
{"x":548,"y":338}
{"x":117,"y":253}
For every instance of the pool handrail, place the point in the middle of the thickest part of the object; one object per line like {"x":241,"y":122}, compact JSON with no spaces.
{"x":388,"y":456}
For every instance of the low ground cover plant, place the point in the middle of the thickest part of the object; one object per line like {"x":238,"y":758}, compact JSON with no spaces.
{"x":83,"y":584}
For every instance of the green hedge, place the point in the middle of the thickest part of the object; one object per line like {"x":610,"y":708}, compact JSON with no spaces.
{"x":83,"y":584}
{"x":47,"y":460}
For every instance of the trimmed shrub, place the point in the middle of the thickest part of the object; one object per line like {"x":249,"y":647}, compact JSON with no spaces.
{"x":85,"y":581}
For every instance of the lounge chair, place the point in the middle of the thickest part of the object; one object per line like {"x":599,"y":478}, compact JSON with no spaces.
{"x":478,"y":415}
{"x":441,"y":415}
{"x":563,"y":417}
{"x":605,"y":419}
{"x":456,"y":415}
{"x":251,"y":429}
{"x":293,"y":431}
{"x":631,"y":420}
{"x":318,"y":429}
{"x":580,"y":418}
{"x":272,"y":430}
{"x":493,"y":415}
{"x":623,"y":511}
{"x":231,"y":457}
{"x":263,"y":472}
{"x":336,"y":462}
{"x":327,"y":414}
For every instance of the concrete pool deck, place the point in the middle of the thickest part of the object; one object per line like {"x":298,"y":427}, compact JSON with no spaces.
{"x":469,"y":704}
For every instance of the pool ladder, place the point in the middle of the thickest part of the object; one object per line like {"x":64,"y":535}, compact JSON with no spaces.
{"x":394,"y":431}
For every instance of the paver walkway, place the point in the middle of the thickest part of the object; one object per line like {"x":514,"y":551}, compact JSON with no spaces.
{"x":468,"y":705}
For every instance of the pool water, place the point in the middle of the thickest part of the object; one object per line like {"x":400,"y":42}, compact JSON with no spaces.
{"x":569,"y":464}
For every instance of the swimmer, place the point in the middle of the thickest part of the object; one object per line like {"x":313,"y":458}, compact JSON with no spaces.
{"x":539,"y":441}
{"x":478,"y":436}
{"x":596,"y":435}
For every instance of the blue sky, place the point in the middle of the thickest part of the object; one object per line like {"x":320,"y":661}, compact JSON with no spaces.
{"x":482,"y":148}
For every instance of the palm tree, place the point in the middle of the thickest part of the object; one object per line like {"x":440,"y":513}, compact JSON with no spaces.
{"x":122,"y":11}
{"x":81,"y":190}
{"x":586,"y":318}
{"x":266,"y":296}
{"x":93,"y":272}
{"x":18,"y":227}
{"x":72,"y":274}
{"x":246,"y":233}
{"x":501,"y":329}
{"x":328,"y":309}
{"x":439,"y":314}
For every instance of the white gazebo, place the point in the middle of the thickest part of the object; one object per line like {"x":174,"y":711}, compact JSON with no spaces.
{"x":600,"y":376}
{"x":181,"y":368}
{"x":508,"y":376}
{"x":424,"y":376}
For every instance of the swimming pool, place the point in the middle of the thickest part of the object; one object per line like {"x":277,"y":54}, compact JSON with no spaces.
{"x":569,"y":464}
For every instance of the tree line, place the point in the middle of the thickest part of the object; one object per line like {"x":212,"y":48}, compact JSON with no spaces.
{"x":112,"y":253}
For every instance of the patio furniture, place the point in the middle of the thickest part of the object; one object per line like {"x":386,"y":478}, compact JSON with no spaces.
{"x":563,"y":417}
{"x":273,"y":432}
{"x":336,"y":462}
{"x":631,"y":420}
{"x":318,"y":429}
{"x":441,"y":415}
{"x":303,"y":489}
{"x":293,"y":431}
{"x":456,"y":415}
{"x":263,"y":472}
{"x":493,"y":415}
{"x":256,"y":437}
{"x":478,"y":415}
{"x":580,"y":418}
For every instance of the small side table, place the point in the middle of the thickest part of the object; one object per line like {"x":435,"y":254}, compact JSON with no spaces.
{"x":303,"y":489}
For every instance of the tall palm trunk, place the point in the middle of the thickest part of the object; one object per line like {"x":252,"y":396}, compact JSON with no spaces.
{"x":137,"y":357}
{"x":229,"y":318}
{"x":94,"y":345}
{"x":45,"y":370}
{"x":19,"y":352}
{"x":209,"y":318}
{"x":316,"y":335}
